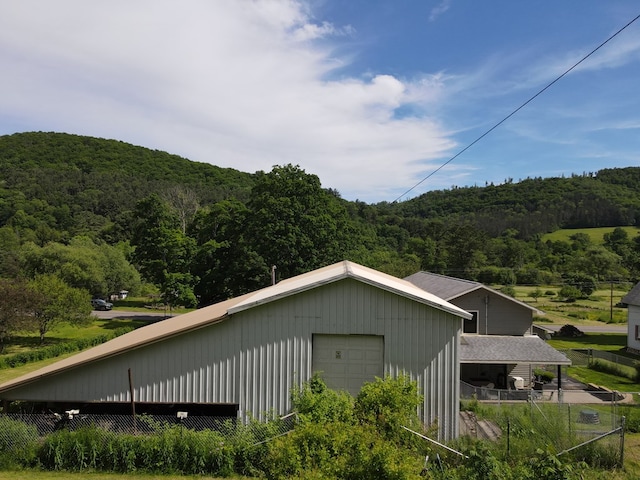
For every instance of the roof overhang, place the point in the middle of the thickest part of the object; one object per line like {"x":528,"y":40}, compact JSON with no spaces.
{"x":499,"y":349}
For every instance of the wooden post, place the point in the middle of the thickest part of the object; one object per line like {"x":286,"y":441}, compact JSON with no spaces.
{"x":133,"y":402}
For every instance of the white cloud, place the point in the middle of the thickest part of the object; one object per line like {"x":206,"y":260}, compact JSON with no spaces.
{"x":238,"y":84}
{"x":439,"y":9}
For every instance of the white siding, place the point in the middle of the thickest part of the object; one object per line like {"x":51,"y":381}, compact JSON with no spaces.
{"x":633,"y":323}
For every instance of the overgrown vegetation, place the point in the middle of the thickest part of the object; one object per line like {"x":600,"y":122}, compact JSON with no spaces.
{"x":336,"y":437}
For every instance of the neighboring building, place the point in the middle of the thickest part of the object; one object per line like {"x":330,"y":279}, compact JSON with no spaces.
{"x":632,"y":300}
{"x":245,"y":354}
{"x":497,"y":343}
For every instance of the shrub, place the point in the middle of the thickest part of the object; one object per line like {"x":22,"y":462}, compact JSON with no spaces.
{"x":388,"y":405}
{"x":569,"y":293}
{"x":334,"y":450}
{"x":544,"y":376}
{"x":52,"y":351}
{"x":18,"y":443}
{"x":605,"y":366}
{"x":314,"y":402}
{"x":509,"y":290}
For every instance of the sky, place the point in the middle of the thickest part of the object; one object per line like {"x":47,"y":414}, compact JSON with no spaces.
{"x":375,"y":97}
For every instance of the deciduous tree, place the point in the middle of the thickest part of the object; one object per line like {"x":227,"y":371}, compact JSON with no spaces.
{"x":54,"y":302}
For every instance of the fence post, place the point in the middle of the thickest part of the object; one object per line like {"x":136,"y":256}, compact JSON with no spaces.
{"x":508,"y":436}
{"x":622,"y":425}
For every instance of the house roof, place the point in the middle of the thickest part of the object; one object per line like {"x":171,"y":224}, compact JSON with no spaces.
{"x":633,"y":297}
{"x":450,"y":288}
{"x":500,"y":349}
{"x":203,"y":317}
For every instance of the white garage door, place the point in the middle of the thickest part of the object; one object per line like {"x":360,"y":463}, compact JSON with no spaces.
{"x":347,"y":361}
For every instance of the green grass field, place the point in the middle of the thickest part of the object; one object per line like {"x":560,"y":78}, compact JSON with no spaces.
{"x":595,"y":234}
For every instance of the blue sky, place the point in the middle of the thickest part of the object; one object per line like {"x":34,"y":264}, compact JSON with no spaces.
{"x":370,"y":95}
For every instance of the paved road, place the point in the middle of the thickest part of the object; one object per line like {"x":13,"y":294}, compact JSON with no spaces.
{"x":150,"y":316}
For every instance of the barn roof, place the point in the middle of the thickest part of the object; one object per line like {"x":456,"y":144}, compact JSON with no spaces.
{"x":498,"y":349}
{"x":219,"y":312}
{"x":340,"y":271}
{"x":450,"y":288}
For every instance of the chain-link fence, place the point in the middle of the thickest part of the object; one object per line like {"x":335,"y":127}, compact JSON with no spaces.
{"x":587,"y":424}
{"x":38,"y":426}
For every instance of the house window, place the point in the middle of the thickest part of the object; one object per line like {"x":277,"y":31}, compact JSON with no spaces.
{"x":471,"y":325}
{"x":637,"y":332}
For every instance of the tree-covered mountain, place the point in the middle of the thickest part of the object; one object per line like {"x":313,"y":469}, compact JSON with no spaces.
{"x":62,"y":185}
{"x":201,"y":233}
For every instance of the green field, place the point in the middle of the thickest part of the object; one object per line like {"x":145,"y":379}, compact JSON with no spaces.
{"x":595,"y":234}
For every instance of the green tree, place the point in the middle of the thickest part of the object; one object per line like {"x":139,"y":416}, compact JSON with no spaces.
{"x":295,"y":224}
{"x":161,"y":247}
{"x":177,"y":290}
{"x":225,"y":262}
{"x":54,"y":302}
{"x":14,"y":313}
{"x":9,"y":252}
{"x":99,"y":269}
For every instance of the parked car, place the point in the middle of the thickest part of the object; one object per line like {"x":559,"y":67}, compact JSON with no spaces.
{"x":100,"y":304}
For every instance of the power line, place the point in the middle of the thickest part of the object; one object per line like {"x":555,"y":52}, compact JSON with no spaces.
{"x":517,"y":109}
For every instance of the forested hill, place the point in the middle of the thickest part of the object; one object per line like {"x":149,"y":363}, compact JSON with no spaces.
{"x":609,"y":197}
{"x":102,"y":178}
{"x":218,"y":231}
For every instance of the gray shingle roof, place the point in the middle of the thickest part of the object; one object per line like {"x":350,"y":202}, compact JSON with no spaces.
{"x":633,"y":297}
{"x":443,"y":286}
{"x":450,"y":288}
{"x":507,"y":349}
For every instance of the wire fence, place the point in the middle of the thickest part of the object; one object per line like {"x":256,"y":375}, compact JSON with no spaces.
{"x":38,"y":426}
{"x":587,"y":424}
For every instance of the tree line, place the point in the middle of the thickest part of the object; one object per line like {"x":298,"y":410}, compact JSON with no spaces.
{"x":102,"y":216}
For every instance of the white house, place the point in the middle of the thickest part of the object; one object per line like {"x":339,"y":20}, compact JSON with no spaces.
{"x":632,"y":300}
{"x":245,"y":354}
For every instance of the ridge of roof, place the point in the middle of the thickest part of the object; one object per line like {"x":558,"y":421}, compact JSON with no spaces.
{"x":339,"y":271}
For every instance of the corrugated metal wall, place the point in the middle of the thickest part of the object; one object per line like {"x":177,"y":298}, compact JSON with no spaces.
{"x":254,"y":357}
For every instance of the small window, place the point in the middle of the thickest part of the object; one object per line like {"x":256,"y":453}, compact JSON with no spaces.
{"x":637,"y":332}
{"x":471,"y":325}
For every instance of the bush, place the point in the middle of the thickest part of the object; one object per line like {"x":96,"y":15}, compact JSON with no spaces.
{"x":569,"y":293}
{"x":334,"y":450}
{"x":388,"y":405}
{"x":53,"y":351}
{"x":314,"y":402}
{"x":544,"y":376}
{"x":612,"y":368}
{"x":18,"y":443}
{"x":509,"y":290}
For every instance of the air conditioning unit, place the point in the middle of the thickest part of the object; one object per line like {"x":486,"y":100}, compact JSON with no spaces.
{"x":516,"y":383}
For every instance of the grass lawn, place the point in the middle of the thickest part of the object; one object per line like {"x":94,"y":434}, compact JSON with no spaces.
{"x":595,"y":234}
{"x":610,"y":342}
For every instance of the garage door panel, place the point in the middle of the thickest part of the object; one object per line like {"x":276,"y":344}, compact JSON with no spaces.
{"x":348,"y":361}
